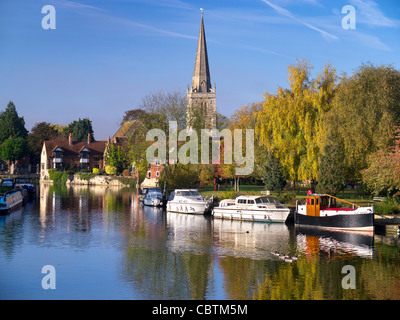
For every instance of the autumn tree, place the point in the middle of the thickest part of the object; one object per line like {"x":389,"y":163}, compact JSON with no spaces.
{"x":115,"y":158}
{"x":365,"y":112}
{"x":382,"y":174}
{"x":289,"y":124}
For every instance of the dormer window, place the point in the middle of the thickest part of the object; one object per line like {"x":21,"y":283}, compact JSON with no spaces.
{"x":84,"y":158}
{"x":58,"y":155}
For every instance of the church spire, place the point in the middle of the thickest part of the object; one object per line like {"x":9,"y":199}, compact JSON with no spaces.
{"x":201,"y":81}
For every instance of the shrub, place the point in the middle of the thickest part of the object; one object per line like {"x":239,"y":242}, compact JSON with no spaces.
{"x":126,"y":173}
{"x":387,"y":206}
{"x":58,"y":176}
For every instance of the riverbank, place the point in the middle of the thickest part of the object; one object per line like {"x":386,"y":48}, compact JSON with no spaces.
{"x":97,"y":180}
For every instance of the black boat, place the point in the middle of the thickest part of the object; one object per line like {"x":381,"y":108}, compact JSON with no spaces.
{"x":322,"y":210}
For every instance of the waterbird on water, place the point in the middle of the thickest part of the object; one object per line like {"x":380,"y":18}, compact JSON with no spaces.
{"x":275,"y":253}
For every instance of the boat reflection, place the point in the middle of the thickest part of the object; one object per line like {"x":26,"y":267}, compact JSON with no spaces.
{"x":334,"y":244}
{"x":250,"y":239}
{"x":12,"y":216}
{"x":189,"y":232}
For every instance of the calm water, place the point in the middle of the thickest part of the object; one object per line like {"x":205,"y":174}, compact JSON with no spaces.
{"x":104,"y":245}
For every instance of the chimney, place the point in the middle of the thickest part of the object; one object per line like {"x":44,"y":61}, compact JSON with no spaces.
{"x":89,"y":138}
{"x":108,"y":140}
{"x":70,"y":139}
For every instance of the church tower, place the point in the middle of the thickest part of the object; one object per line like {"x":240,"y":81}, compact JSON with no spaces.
{"x":201,"y":96}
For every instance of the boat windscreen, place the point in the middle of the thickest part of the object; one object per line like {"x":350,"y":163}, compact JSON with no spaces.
{"x":267,"y":200}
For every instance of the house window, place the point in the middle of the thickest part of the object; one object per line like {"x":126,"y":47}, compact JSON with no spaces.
{"x":157,"y":174}
{"x":149,"y":174}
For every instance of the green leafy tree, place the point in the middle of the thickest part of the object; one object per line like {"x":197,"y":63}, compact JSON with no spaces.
{"x":179,"y":176}
{"x":40,"y":132}
{"x":116,"y":157}
{"x":11,"y":124}
{"x":331,"y":173}
{"x":272,"y":175}
{"x":79,"y":129}
{"x":14,"y":149}
{"x":364,"y":114}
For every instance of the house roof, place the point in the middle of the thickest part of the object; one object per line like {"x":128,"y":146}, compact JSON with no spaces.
{"x":127,"y":130}
{"x":95,"y":147}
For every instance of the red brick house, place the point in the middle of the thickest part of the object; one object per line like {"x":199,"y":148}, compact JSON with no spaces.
{"x":68,"y":154}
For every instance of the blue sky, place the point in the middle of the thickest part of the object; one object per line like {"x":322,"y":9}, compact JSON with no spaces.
{"x":104,"y":56}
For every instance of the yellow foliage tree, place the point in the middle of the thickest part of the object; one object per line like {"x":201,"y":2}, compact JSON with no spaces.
{"x":289,"y":124}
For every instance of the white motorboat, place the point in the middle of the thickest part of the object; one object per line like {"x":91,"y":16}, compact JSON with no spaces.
{"x":252,"y":208}
{"x":187,"y":201}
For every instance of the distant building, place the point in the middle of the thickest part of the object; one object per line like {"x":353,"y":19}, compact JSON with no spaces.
{"x":201,"y":95}
{"x":68,"y":154}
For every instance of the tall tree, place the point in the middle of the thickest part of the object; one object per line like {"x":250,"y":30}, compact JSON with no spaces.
{"x":158,"y":108}
{"x":40,"y":132}
{"x":80,"y":129}
{"x":14,"y":148}
{"x":331,"y":170}
{"x":364,"y":114}
{"x":11,"y":124}
{"x":272,"y":174}
{"x":289,"y":124}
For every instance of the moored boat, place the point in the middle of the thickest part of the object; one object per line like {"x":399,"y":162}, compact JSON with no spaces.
{"x":188,"y":201}
{"x":26,"y":183}
{"x":154,"y":199}
{"x":252,"y":208}
{"x":10,"y":200}
{"x":322,"y":211}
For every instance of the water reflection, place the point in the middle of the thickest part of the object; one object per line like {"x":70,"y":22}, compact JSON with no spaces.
{"x":145,"y":253}
{"x":250,"y":239}
{"x":313,"y":241}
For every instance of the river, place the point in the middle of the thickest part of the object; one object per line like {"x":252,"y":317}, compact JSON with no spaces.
{"x":102,"y":244}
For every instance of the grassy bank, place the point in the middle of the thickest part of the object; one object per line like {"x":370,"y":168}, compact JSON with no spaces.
{"x":288,"y":196}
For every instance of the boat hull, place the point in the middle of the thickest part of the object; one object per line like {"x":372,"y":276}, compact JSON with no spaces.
{"x":152,"y":203}
{"x":270,"y":216}
{"x":10,"y":202}
{"x":357,"y":222}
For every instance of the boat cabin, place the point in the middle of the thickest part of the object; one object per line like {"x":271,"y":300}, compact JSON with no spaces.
{"x":315,"y":203}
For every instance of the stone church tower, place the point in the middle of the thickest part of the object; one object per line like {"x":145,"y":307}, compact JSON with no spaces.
{"x":201,"y":96}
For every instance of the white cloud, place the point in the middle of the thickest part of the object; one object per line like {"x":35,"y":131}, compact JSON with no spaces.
{"x":371,"y":14}
{"x":287,"y":13}
{"x":101,"y":14}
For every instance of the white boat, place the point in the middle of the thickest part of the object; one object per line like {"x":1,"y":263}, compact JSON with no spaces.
{"x":187,"y":201}
{"x":252,"y":208}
